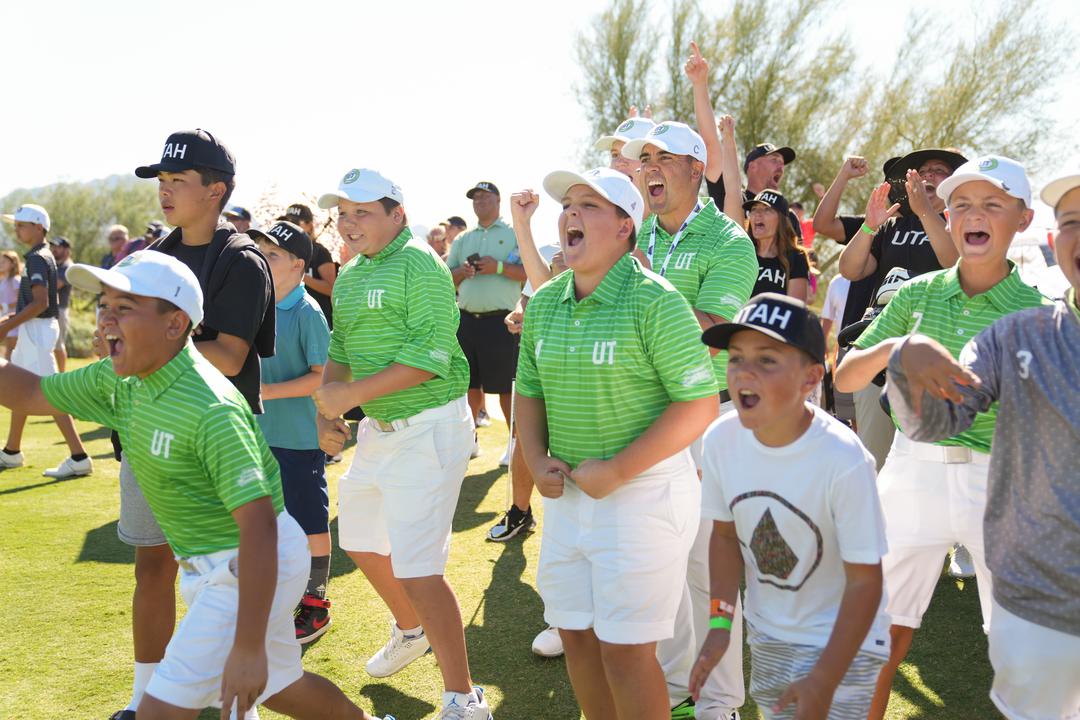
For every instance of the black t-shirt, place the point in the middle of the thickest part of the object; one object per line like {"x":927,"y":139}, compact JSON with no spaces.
{"x":39,"y":268}
{"x":902,"y":250}
{"x":771,"y":276}
{"x":319,"y":257}
{"x":719,"y":194}
{"x":237,"y":309}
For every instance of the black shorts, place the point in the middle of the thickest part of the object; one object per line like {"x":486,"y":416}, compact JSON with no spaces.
{"x":492,"y":351}
{"x":303,"y":484}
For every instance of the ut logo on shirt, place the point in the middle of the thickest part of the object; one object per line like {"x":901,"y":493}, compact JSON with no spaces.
{"x":603,"y":352}
{"x":162,"y":442}
{"x":683,"y":260}
{"x":374,"y":298}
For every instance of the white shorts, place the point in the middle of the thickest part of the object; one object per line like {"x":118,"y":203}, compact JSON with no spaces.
{"x":1036,"y":669}
{"x":189,"y":676}
{"x":399,"y":495}
{"x":34,"y":350}
{"x":618,"y":565}
{"x":929,"y":505}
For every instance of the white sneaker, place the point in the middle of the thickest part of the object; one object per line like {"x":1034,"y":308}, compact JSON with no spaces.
{"x":398,"y":652}
{"x":482,"y":419}
{"x":475,"y":447}
{"x":505,"y":460}
{"x":71,"y":468}
{"x":961,"y":565}
{"x":10,"y":460}
{"x":548,"y":643}
{"x":465,"y":707}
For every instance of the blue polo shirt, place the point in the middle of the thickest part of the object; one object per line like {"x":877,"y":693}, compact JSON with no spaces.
{"x":302,"y":340}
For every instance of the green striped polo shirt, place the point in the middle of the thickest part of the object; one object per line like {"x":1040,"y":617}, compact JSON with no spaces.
{"x":398,"y":306}
{"x":935,"y":305}
{"x":714,"y":266}
{"x":607,"y":366}
{"x":191,"y":439}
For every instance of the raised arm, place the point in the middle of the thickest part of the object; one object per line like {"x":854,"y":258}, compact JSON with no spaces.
{"x":932,"y":222}
{"x":729,"y":157}
{"x":697,"y":70}
{"x":20,"y":390}
{"x":826,"y":217}
{"x":856,"y":260}
{"x":522,"y":206}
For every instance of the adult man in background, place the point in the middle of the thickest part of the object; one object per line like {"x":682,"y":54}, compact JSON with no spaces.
{"x":487,"y":270}
{"x":117,"y":237}
{"x":61,"y":250}
{"x":240,"y":218}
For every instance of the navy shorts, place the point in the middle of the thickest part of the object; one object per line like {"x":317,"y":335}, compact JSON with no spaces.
{"x":491,"y":350}
{"x":303,"y":483}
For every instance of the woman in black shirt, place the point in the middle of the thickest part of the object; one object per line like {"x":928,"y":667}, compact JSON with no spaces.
{"x":782,"y":263}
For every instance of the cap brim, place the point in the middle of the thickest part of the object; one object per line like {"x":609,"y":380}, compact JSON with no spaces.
{"x":257,"y":234}
{"x":556,"y":185}
{"x":633,"y":148}
{"x":719,"y":336}
{"x":945,"y":189}
{"x":91,"y":279}
{"x":787,"y":153}
{"x":605,"y":142}
{"x":8,"y":219}
{"x":914,"y":160}
{"x":473,"y":191}
{"x":1052,"y":193}
{"x":151,"y":171}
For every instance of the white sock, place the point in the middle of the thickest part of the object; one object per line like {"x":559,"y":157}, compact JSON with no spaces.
{"x":143,"y":673}
{"x":415,"y":632}
{"x":251,"y":714}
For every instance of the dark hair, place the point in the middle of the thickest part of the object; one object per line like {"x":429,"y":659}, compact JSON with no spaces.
{"x":210,"y":176}
{"x":787,"y":241}
{"x":388,"y":205}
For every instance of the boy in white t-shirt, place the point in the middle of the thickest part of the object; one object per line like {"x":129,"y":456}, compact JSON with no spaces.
{"x":792,"y":495}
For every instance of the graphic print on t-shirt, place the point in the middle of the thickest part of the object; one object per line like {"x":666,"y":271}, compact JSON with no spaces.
{"x":790,"y":560}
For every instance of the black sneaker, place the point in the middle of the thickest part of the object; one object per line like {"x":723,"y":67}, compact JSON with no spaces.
{"x":684,"y":710}
{"x":312,"y":619}
{"x":513,"y":521}
{"x":123,"y":715}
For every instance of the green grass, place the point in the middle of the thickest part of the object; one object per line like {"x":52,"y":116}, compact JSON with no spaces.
{"x":66,"y":581}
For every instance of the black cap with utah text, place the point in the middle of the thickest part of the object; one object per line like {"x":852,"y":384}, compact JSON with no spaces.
{"x":288,"y":236}
{"x":187,"y":150}
{"x":780,"y":317}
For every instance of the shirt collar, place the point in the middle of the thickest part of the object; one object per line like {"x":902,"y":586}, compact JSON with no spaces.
{"x":999,"y":295}
{"x":289,"y":301}
{"x":698,"y":224}
{"x":610,"y":288}
{"x":498,"y":222}
{"x":36,"y":248}
{"x":396,"y":244}
{"x":162,"y":379}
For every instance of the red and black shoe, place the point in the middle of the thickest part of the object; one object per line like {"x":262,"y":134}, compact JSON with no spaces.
{"x":312,"y":618}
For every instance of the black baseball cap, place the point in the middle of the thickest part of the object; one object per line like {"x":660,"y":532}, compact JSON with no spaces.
{"x":767,"y":149}
{"x":915,"y":160}
{"x":238,"y":212}
{"x":456,"y":221}
{"x":59,"y":240}
{"x":771,"y":198}
{"x":288,"y":236}
{"x":189,"y":149}
{"x":482,"y":185}
{"x":299,"y":211}
{"x":780,"y":317}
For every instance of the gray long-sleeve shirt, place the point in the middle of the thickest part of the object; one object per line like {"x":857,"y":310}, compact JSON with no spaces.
{"x":1029,"y":363}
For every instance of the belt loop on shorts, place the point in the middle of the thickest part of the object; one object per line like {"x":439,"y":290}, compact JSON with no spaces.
{"x":186,"y":565}
{"x":955,"y":454}
{"x":392,"y":426}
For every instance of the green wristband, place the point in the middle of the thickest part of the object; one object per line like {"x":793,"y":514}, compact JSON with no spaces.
{"x":719,"y":622}
{"x":866,"y":229}
{"x":499,"y":268}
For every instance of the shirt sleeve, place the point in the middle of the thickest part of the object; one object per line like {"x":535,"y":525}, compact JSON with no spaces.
{"x":240,"y":305}
{"x":37,"y":270}
{"x":798,"y":267}
{"x":87,"y":393}
{"x":894,"y":320}
{"x":714,"y":504}
{"x":430,"y":322}
{"x":856,"y":513}
{"x":229,"y":451}
{"x":453,"y":258}
{"x":672,"y":340}
{"x":528,"y":376}
{"x":730,"y":277}
{"x":851,"y":224}
{"x":342,"y":317}
{"x":717,"y":191}
{"x":314,"y":337}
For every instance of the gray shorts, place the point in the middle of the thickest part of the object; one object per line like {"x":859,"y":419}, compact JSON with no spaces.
{"x":63,"y":317}
{"x":137,"y":524}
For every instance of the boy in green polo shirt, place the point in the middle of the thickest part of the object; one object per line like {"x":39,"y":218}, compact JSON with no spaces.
{"x":211,"y":482}
{"x":708,"y":257}
{"x":288,"y":420}
{"x":394,"y":352}
{"x":934,"y":495}
{"x":612,"y":388}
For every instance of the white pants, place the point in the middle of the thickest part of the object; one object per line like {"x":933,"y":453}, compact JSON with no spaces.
{"x":929,"y":505}
{"x":34,"y":350}
{"x":1036,"y":669}
{"x":189,"y":676}
{"x":399,"y":495}
{"x":617,"y":564}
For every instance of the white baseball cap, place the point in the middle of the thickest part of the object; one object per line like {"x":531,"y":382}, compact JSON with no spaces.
{"x":631,"y":129}
{"x":999,"y":171}
{"x":612,"y":185}
{"x":30,"y":213}
{"x":1057,"y":189}
{"x":148,"y":273}
{"x":675,"y":137}
{"x":362,"y":185}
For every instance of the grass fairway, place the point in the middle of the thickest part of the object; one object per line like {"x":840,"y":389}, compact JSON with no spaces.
{"x":67,"y":580}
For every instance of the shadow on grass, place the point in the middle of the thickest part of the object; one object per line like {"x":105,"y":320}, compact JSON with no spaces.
{"x":35,"y":486}
{"x":102,"y":545}
{"x":474,"y":490}
{"x":340,"y":563}
{"x":383,"y":698}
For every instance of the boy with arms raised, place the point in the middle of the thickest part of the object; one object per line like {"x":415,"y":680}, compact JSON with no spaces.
{"x":1026,"y":364}
{"x":289,"y":378}
{"x":394,"y":352}
{"x":934,"y":495}
{"x":791,"y":494}
{"x":210,"y":478}
{"x":611,"y":391}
